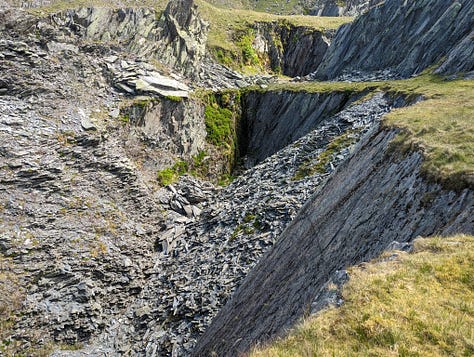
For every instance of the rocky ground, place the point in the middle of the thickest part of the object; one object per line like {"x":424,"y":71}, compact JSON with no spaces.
{"x":102,"y":252}
{"x":104,"y":259}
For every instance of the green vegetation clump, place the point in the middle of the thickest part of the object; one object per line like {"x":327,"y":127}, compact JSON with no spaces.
{"x":174,"y":98}
{"x":222,"y":119}
{"x":417,"y":304}
{"x":219,"y":123}
{"x":172,"y":174}
{"x":245,"y":43}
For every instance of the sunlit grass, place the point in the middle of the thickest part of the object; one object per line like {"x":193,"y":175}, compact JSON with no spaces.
{"x":418,"y":304}
{"x":225,"y":22}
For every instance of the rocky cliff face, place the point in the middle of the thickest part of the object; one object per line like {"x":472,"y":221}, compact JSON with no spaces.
{"x":404,"y":38}
{"x":176,"y":37}
{"x":292,"y":116}
{"x":375,"y":198}
{"x":291,"y":50}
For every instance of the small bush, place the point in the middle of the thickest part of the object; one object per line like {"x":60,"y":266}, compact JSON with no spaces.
{"x":218,"y":125}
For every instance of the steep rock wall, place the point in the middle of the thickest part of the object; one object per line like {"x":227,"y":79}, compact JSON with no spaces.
{"x":275,"y":119}
{"x":374,"y":198}
{"x":404,"y":37}
{"x":176,"y":37}
{"x":291,"y":50}
{"x":178,"y":125}
{"x":338,"y":8}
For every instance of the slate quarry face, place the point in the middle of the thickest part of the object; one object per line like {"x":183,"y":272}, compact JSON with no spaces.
{"x":111,"y":260}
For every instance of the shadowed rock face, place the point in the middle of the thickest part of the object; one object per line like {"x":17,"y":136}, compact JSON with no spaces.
{"x":372,"y":200}
{"x":291,"y":50}
{"x":277,"y":119}
{"x":404,"y":37}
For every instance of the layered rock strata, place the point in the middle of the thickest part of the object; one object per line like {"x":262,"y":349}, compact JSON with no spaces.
{"x":373,"y":199}
{"x":404,"y":38}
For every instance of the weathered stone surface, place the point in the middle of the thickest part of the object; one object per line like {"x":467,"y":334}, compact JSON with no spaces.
{"x":373,"y":199}
{"x":276,"y":119}
{"x":177,"y":38}
{"x":338,"y":8}
{"x":291,"y":50}
{"x":404,"y":37}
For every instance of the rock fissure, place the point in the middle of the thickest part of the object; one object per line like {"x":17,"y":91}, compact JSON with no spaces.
{"x":125,"y":265}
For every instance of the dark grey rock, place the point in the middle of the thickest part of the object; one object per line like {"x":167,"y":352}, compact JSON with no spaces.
{"x":338,"y":227}
{"x":405,"y":38}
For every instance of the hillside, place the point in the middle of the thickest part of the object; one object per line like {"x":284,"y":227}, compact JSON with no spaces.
{"x":167,"y":168}
{"x":417,"y":303}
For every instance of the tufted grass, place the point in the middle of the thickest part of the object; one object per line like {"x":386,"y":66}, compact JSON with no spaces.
{"x":418,"y":304}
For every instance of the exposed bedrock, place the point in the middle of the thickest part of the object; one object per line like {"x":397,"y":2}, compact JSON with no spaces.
{"x":291,"y":50}
{"x":176,"y":37}
{"x":404,"y":37}
{"x":374,"y":198}
{"x":338,"y":8}
{"x":177,"y":125}
{"x":275,"y":119}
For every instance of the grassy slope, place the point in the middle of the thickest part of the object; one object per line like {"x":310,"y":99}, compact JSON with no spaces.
{"x":419,"y":304}
{"x":442,"y":125}
{"x":284,"y":7}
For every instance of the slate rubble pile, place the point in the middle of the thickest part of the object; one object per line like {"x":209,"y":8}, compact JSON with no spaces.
{"x":105,"y":255}
{"x":201,"y":258}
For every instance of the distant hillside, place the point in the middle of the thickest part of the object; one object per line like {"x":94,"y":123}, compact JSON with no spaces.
{"x":300,"y":7}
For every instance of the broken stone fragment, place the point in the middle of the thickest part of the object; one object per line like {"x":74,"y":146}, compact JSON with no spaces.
{"x":87,"y":124}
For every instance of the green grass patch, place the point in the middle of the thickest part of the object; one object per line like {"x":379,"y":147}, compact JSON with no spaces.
{"x":173,"y":173}
{"x":222,"y":118}
{"x":418,"y":304}
{"x":321,"y":162}
{"x":219,"y":123}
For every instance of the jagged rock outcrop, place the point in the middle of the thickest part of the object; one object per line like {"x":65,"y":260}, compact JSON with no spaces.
{"x":338,"y":8}
{"x":176,"y":37}
{"x":291,"y":50}
{"x":177,"y":125}
{"x":404,"y":37}
{"x":374,"y":198}
{"x":184,"y":37}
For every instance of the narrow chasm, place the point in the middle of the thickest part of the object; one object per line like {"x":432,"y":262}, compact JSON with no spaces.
{"x":200,"y":263}
{"x":143,"y":184}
